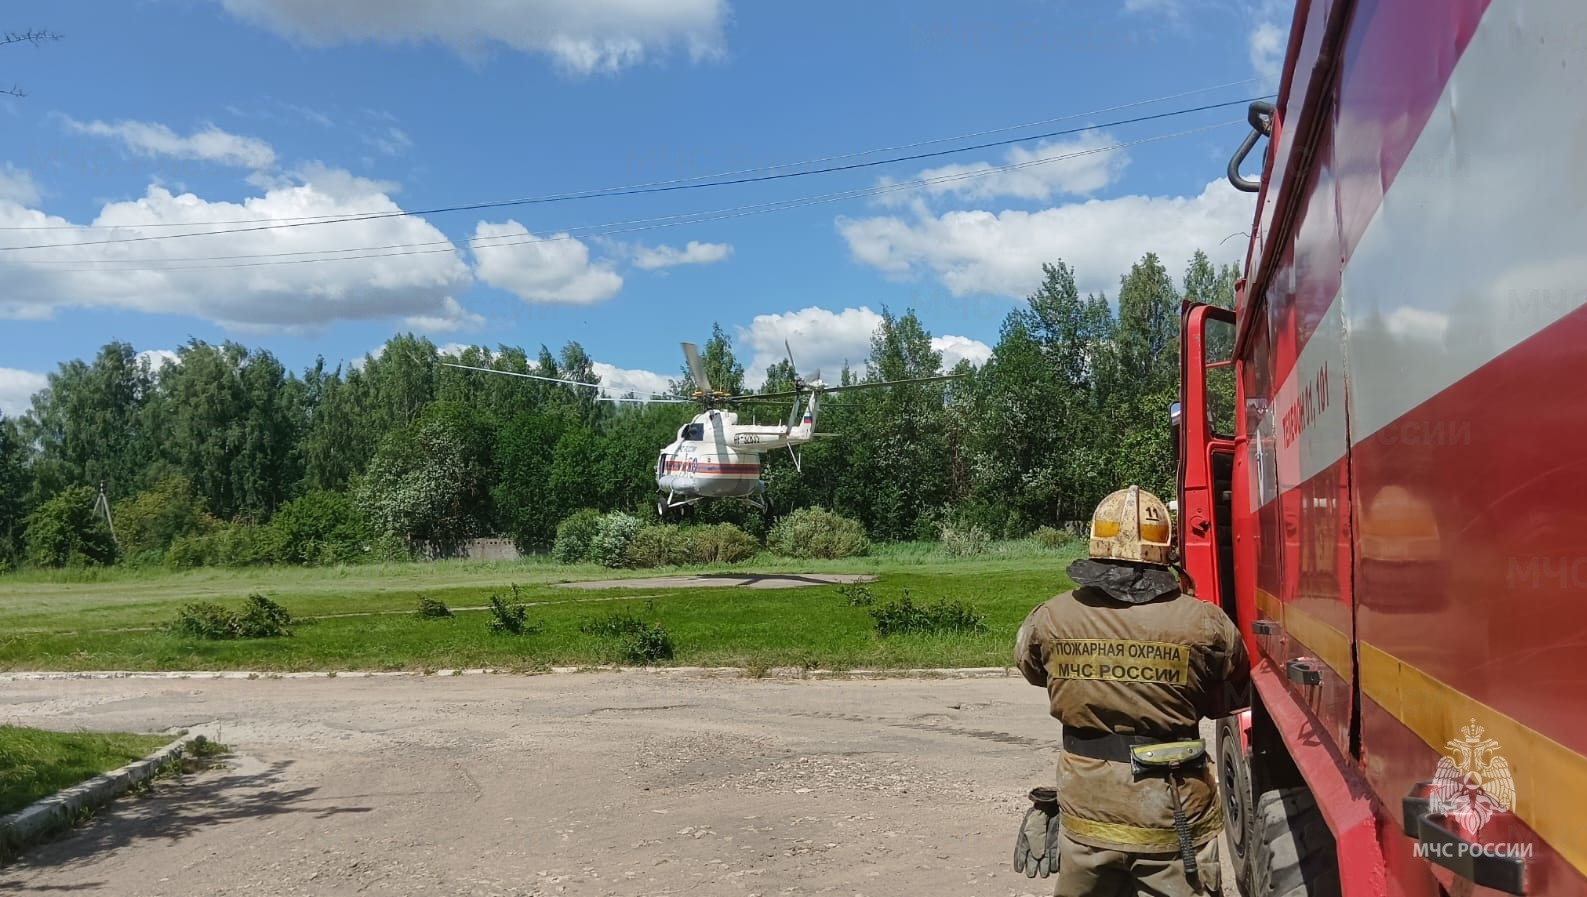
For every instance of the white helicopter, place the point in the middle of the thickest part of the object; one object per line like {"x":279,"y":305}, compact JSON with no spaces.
{"x":716,"y":457}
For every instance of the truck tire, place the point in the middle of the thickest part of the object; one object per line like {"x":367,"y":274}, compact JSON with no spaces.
{"x":1234,"y":786}
{"x":1292,"y":850}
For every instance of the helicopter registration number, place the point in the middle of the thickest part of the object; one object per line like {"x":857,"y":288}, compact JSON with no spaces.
{"x":749,"y":439}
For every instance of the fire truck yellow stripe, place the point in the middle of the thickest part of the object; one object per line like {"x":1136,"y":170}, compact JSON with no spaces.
{"x":1329,"y":644}
{"x":1550,"y":778}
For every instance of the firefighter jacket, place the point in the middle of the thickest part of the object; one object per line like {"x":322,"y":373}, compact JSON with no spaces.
{"x":1151,"y":671}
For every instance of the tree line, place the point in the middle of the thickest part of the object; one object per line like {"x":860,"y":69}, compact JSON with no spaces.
{"x":225,"y":456}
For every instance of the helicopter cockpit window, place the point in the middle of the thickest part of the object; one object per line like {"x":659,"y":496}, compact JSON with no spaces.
{"x":694,"y":433}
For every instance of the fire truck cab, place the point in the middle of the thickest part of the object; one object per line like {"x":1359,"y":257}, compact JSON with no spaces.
{"x":1383,"y":457}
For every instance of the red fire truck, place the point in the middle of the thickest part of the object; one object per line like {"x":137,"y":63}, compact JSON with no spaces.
{"x":1383,"y":456}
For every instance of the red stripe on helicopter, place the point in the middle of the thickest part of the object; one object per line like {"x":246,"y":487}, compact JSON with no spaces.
{"x":710,"y":467}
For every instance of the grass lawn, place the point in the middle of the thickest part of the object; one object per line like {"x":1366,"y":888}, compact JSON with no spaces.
{"x":84,"y":621}
{"x":35,"y":763}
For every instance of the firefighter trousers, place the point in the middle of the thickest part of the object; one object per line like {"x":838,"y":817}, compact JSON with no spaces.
{"x":1094,"y":872}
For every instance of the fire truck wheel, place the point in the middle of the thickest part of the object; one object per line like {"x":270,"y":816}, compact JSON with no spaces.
{"x":1292,"y":851}
{"x":1234,"y":781}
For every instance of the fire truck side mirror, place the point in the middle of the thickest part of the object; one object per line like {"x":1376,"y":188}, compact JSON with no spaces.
{"x":1175,"y":416}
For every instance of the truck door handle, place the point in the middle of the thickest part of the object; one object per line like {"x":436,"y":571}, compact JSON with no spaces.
{"x":1264,"y":627}
{"x":1448,"y":848}
{"x":1304,"y":672}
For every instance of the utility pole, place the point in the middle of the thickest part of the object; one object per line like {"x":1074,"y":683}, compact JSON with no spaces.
{"x":102,"y":505}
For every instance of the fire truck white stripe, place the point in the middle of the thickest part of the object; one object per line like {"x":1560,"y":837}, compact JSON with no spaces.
{"x":1478,"y":245}
{"x":1482,"y":241}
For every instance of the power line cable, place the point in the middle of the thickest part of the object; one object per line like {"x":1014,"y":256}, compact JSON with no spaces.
{"x":831,"y":169}
{"x":309,"y":219}
{"x":596,"y":230}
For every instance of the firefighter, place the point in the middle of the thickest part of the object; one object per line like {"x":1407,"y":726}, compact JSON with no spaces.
{"x":1131,"y":665}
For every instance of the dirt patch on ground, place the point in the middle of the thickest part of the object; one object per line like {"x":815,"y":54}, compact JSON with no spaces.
{"x":726,"y":580}
{"x":599,"y":784}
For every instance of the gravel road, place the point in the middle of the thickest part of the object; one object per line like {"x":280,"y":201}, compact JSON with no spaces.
{"x":626,"y":783}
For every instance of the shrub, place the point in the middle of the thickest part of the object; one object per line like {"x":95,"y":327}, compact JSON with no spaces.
{"x":964,"y":541}
{"x":636,"y":640}
{"x":204,"y":619}
{"x":432,"y":608}
{"x":720,"y":544}
{"x":512,"y":619}
{"x":259,"y":618}
{"x":319,"y":528}
{"x":613,"y":533}
{"x":263,"y":618}
{"x":656,"y":546}
{"x":647,"y":644}
{"x":611,"y":625}
{"x":149,"y":522}
{"x":856,"y":595}
{"x":904,"y":615}
{"x":66,"y":531}
{"x":228,"y":545}
{"x":817,"y":533}
{"x":666,"y":544}
{"x":1047,"y":537}
{"x":574,"y":535}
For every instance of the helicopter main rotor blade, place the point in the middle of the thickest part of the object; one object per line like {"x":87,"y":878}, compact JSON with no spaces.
{"x":880,"y":383}
{"x":665,"y":400}
{"x":469,"y":367}
{"x":696,"y":369}
{"x":602,"y":398}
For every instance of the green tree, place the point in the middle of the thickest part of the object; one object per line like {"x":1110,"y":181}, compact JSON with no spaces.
{"x":721,"y":367}
{"x":429,"y":482}
{"x":335,"y":444}
{"x":68,"y":531}
{"x":15,"y":480}
{"x":902,"y":451}
{"x":88,"y":423}
{"x":526,"y":449}
{"x":1147,"y":335}
{"x":1208,"y":285}
{"x":232,"y":420}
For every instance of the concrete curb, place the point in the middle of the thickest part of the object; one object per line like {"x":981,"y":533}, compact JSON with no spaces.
{"x":695,"y":672}
{"x":56,"y":811}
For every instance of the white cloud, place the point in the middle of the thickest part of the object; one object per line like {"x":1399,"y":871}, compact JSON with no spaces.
{"x":17,"y":389}
{"x":824,"y":340}
{"x":821,"y":339}
{"x":159,"y":358}
{"x":18,"y":186}
{"x":244,"y":294}
{"x":1078,"y":176}
{"x":696,"y":253}
{"x":582,"y":36}
{"x":986,"y":253}
{"x":618,"y":381}
{"x":1267,"y":44}
{"x":208,"y":145}
{"x":449,"y":317}
{"x":554,"y":269}
{"x":958,"y":348}
{"x":391,"y":140}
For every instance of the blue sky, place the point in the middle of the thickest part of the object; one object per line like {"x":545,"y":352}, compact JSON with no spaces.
{"x":160,"y":117}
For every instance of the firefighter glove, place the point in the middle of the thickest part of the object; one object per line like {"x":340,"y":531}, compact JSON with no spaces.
{"x":1036,"y":846}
